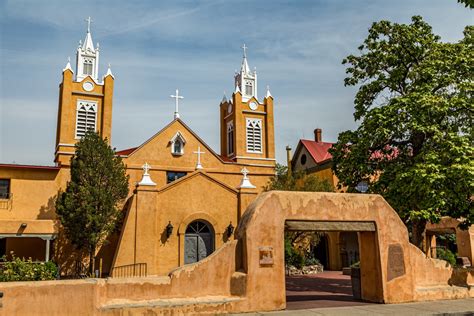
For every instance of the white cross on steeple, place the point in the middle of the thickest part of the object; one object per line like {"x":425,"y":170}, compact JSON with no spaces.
{"x":177,"y":97}
{"x":245,"y":50}
{"x":199,"y":152}
{"x":89,"y":20}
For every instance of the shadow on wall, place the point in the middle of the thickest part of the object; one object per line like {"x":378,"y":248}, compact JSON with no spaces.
{"x":48,"y":211}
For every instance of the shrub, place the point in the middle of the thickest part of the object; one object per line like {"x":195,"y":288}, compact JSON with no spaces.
{"x":447,"y":255}
{"x":26,"y":270}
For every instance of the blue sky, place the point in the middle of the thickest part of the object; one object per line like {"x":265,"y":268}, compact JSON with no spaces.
{"x":157,"y":46}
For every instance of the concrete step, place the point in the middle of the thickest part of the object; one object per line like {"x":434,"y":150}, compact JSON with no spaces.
{"x":177,"y":305}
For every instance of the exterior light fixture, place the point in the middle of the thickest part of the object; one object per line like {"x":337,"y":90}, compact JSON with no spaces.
{"x":230,"y":230}
{"x":23,"y":225}
{"x":169,"y":230}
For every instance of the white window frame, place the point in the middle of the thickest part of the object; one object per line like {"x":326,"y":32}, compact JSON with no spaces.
{"x":248,"y":85}
{"x":253,"y":123}
{"x":178,"y":137}
{"x":90,"y":106}
{"x":89,"y":62}
{"x":230,"y":138}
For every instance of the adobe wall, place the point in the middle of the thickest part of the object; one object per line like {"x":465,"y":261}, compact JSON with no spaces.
{"x":247,"y":274}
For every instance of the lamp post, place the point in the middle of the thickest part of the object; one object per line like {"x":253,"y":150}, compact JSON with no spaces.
{"x":169,"y":230}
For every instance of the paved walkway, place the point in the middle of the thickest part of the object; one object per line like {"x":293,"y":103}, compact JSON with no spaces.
{"x":462,"y":307}
{"x":330,"y":293}
{"x":327,"y":289}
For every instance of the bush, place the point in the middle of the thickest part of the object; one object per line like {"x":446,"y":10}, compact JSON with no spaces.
{"x":26,"y":270}
{"x":447,"y":255}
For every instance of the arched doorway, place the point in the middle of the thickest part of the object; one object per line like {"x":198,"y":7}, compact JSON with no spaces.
{"x":198,"y":241}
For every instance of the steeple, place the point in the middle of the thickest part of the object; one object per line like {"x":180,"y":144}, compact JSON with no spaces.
{"x":87,"y":57}
{"x":246,"y":80}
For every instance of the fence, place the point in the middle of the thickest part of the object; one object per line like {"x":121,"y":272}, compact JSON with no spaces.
{"x":129,"y":270}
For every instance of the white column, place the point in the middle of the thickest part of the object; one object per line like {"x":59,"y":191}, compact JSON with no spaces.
{"x":48,"y":241}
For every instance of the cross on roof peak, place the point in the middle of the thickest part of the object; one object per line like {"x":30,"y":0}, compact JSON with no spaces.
{"x":146,"y":167}
{"x":89,"y":20}
{"x":177,"y":97}
{"x":244,"y":47}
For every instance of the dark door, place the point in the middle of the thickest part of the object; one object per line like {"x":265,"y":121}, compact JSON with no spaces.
{"x":198,"y":241}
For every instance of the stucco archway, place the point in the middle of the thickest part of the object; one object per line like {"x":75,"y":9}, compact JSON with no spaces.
{"x":386,"y":273}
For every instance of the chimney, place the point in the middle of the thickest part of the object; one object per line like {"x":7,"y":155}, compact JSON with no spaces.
{"x":317,"y":135}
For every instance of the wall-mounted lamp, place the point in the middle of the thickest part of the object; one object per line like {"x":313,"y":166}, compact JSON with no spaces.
{"x":23,"y":225}
{"x":169,"y":230}
{"x":230,"y":230}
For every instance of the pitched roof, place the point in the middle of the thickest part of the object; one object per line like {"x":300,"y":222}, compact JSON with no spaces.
{"x":318,"y":150}
{"x":125,"y":152}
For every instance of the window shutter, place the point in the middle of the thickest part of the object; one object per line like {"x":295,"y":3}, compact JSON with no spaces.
{"x":254,"y":135}
{"x":86,"y":117}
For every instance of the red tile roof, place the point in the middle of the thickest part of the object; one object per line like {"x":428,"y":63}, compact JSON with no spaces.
{"x":126,"y":152}
{"x":318,"y":150}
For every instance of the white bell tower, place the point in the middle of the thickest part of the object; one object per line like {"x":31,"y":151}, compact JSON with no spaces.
{"x":87,"y":57}
{"x":246,"y":80}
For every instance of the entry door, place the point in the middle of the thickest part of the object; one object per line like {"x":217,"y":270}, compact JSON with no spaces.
{"x":198,"y":242}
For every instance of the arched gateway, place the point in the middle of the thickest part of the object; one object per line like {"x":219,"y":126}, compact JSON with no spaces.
{"x":198,"y":241}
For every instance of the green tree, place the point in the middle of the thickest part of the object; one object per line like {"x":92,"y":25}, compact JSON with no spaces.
{"x":89,"y":208}
{"x":467,"y":3}
{"x":297,"y":181}
{"x":414,"y":144}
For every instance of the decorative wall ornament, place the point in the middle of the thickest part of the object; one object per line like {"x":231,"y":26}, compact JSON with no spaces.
{"x":245,"y":183}
{"x":146,"y":179}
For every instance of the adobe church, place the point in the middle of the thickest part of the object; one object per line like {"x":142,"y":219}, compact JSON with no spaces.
{"x":185,"y":199}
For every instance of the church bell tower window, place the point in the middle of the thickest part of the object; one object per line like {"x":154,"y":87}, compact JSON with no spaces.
{"x":249,"y":88}
{"x":87,"y":69}
{"x":86,"y":116}
{"x":254,"y":135}
{"x":230,"y":138}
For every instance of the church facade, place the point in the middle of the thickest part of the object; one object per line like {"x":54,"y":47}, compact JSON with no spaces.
{"x":185,"y":199}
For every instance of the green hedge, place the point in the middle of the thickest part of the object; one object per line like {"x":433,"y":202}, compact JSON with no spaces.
{"x":26,"y":270}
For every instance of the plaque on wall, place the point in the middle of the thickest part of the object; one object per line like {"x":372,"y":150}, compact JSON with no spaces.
{"x":265,"y":255}
{"x":395,"y":262}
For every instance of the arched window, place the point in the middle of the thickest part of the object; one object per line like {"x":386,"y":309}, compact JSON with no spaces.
{"x":230,"y":138}
{"x":87,"y":68}
{"x":86,"y":114}
{"x":177,"y":144}
{"x":198,"y":241}
{"x":254,"y":135}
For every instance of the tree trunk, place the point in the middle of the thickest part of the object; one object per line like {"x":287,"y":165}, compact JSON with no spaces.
{"x":417,"y":231}
{"x":92,"y":261}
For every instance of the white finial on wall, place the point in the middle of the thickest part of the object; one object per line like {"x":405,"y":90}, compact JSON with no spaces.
{"x":146,"y":179}
{"x":245,"y":183}
{"x":176,"y":97}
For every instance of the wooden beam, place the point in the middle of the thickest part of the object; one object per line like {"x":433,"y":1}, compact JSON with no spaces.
{"x":329,"y":226}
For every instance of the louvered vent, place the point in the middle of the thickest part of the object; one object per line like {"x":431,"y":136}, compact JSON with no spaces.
{"x":86,"y":117}
{"x":254,"y":136}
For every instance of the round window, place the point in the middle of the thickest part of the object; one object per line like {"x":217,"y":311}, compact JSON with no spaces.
{"x":303,"y":159}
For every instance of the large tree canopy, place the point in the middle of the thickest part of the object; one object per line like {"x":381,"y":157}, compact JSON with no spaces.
{"x":88,"y":209}
{"x":414,"y":144}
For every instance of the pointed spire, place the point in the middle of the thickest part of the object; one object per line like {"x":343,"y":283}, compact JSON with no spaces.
{"x":88,"y":44}
{"x":245,"y":66}
{"x":224,"y":98}
{"x":68,"y":65}
{"x":109,"y":72}
{"x":268,"y":93}
{"x":237,"y":89}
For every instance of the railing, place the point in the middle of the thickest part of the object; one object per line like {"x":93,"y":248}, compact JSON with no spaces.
{"x":129,"y":270}
{"x":5,"y":200}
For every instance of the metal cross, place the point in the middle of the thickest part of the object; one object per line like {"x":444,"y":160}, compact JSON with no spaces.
{"x":245,"y":172}
{"x":177,"y":97}
{"x":199,"y":152}
{"x":88,"y":20}
{"x":245,"y":50}
{"x":146,"y":167}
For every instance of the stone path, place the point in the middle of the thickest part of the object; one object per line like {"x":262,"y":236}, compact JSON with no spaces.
{"x":327,"y":289}
{"x":462,"y":307}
